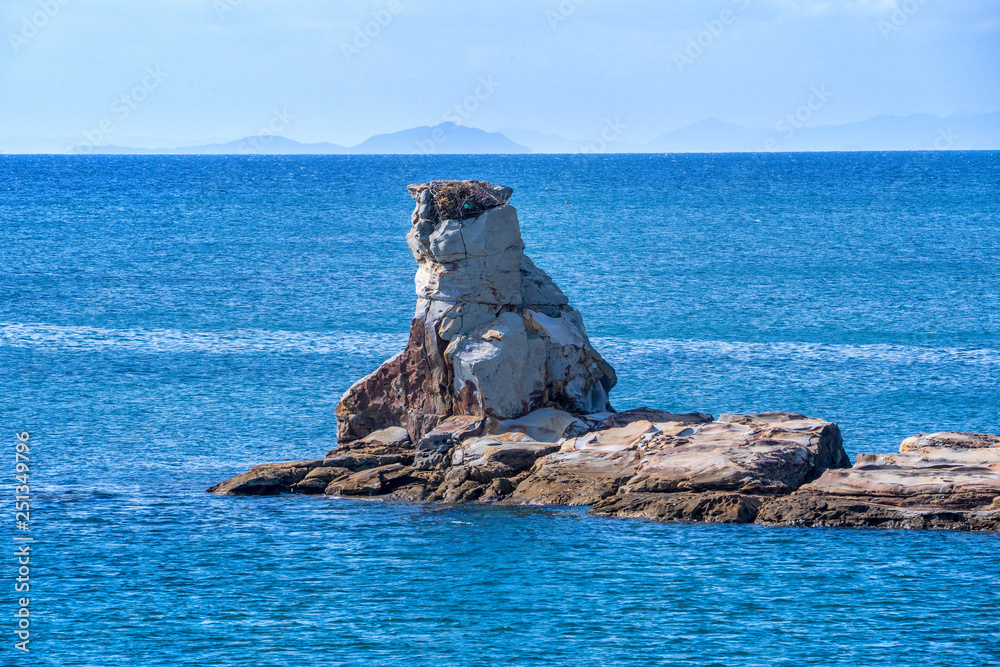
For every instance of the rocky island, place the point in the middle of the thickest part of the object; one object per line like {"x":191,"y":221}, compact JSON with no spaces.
{"x":499,"y":397}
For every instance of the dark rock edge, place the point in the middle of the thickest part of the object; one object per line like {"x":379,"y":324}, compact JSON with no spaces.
{"x":383,"y":470}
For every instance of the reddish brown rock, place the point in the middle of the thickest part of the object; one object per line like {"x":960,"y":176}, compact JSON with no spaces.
{"x":498,"y":489}
{"x":619,"y":419}
{"x":492,"y":336}
{"x":416,"y":487}
{"x":499,"y":396}
{"x":374,"y":482}
{"x":383,"y":442}
{"x":918,"y":513}
{"x":267,"y":479}
{"x":953,"y":441}
{"x":707,"y":507}
{"x":380,"y":448}
{"x":576,"y":477}
{"x":407,"y":391}
{"x":689,"y":470}
{"x":481,"y":462}
{"x":941,"y":480}
{"x":318,"y":478}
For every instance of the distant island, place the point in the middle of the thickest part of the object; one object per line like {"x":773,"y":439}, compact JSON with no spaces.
{"x":958,"y":131}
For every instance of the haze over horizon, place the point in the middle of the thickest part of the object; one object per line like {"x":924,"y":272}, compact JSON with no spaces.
{"x":192,"y":72}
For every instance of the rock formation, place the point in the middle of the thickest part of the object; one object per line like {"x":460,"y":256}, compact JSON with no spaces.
{"x":725,"y":470}
{"x":492,"y":335}
{"x":940,"y":480}
{"x":643,"y":462}
{"x":499,"y":397}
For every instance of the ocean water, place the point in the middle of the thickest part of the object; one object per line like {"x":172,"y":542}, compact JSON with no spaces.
{"x":167,"y":322}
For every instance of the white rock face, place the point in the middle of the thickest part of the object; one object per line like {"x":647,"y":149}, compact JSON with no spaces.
{"x":501,"y":365}
{"x":492,"y":334}
{"x":476,"y":261}
{"x":514,"y":344}
{"x":545,"y":425}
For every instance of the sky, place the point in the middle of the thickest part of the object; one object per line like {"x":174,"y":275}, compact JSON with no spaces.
{"x":168,"y":73}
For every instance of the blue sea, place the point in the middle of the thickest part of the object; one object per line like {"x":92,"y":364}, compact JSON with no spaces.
{"x":168,"y":322}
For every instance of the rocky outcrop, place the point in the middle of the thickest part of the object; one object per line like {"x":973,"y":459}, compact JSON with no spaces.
{"x":737,"y":461}
{"x":499,"y":397}
{"x":267,"y":479}
{"x":940,"y":480}
{"x":704,"y":507}
{"x":492,"y":336}
{"x":624,"y":463}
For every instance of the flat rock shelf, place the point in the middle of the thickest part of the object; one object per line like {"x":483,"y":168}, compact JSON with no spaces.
{"x":499,"y":397}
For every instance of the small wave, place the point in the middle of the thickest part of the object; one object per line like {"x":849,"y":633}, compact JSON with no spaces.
{"x":239,"y":341}
{"x":624,"y":348}
{"x":49,"y":337}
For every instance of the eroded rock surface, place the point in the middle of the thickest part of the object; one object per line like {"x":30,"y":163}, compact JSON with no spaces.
{"x":736,"y":461}
{"x":267,"y":479}
{"x":686,"y":468}
{"x":499,"y":397}
{"x":940,"y":480}
{"x":770,"y":468}
{"x":492,"y":335}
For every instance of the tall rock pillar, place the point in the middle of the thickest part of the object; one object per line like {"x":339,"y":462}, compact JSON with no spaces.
{"x":492,"y":335}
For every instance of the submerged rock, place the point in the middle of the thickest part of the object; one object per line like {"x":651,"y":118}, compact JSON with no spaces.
{"x":499,"y":397}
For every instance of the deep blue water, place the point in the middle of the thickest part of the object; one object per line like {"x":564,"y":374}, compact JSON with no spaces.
{"x":167,"y":322}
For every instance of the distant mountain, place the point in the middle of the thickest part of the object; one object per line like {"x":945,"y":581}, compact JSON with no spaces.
{"x":710,"y":136}
{"x":540,"y":142}
{"x":446,"y":138}
{"x":261,"y":144}
{"x":959,"y":131}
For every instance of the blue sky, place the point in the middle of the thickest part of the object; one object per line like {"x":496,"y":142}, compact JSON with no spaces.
{"x":174,"y":72}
